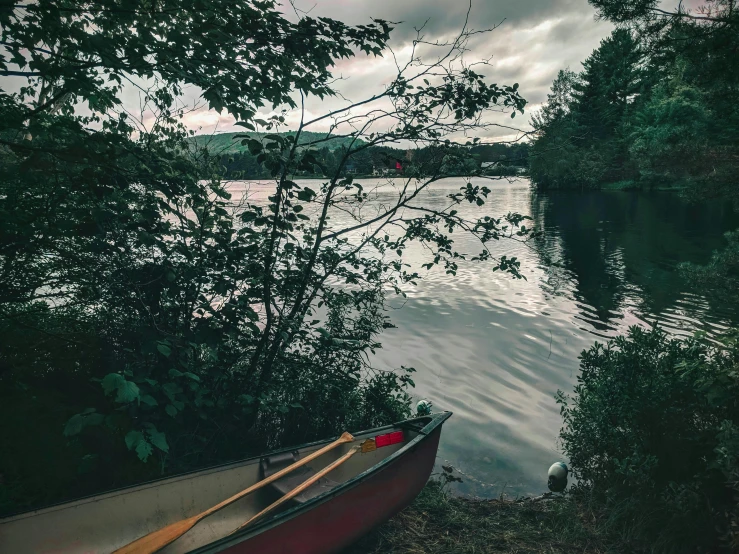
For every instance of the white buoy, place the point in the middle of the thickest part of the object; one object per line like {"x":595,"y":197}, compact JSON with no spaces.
{"x":558,"y":477}
{"x":423,"y":408}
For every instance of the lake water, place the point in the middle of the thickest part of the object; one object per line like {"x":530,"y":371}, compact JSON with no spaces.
{"x":495,"y":350}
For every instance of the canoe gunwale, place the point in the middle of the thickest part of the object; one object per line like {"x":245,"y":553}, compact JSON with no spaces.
{"x":425,"y":428}
{"x":436,"y":420}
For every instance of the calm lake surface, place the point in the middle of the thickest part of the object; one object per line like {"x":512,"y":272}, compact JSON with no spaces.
{"x":495,"y":350}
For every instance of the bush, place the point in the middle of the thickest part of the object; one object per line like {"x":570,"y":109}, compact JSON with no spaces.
{"x":652,"y":433}
{"x":720,"y":276}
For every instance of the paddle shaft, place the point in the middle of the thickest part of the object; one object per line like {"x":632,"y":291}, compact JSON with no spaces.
{"x":300,"y":488}
{"x":148,"y":544}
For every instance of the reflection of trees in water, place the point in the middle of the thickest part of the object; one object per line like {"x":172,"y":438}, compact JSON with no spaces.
{"x":617,"y":250}
{"x":588,"y":258}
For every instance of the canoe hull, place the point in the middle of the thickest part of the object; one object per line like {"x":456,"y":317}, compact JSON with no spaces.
{"x":370,"y":487}
{"x":343,"y":518}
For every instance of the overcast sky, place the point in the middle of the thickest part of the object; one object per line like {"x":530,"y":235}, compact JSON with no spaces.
{"x":534,"y":40}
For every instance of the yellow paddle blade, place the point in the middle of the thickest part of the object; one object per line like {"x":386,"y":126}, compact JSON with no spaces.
{"x":157,"y":540}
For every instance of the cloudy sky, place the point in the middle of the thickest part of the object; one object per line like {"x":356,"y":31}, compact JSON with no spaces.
{"x":534,"y":40}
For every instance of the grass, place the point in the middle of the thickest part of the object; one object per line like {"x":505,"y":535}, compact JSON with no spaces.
{"x":439,"y":523}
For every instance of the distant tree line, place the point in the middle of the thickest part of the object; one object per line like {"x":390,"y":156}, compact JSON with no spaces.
{"x":655,"y":104}
{"x":387,"y":160}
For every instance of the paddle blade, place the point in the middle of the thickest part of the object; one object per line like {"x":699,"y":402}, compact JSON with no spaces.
{"x":157,"y":540}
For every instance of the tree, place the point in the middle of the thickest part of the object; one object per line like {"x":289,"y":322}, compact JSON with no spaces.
{"x":581,"y":126}
{"x":720,"y":277}
{"x":553,"y":152}
{"x":609,"y":83}
{"x":158,"y":314}
{"x":241,"y":54}
{"x":670,"y":135}
{"x":696,"y":74}
{"x":635,"y":11}
{"x":656,"y":65}
{"x":559,"y":101}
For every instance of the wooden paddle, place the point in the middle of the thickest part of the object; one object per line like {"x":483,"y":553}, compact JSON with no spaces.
{"x":300,"y":488}
{"x":157,"y":540}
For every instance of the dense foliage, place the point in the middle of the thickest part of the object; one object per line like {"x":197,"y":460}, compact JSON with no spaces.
{"x":720,"y":276}
{"x":146,"y":314}
{"x":653,"y":432}
{"x":655,"y":104}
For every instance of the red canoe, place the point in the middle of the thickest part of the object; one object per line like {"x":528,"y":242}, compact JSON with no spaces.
{"x":394,"y":464}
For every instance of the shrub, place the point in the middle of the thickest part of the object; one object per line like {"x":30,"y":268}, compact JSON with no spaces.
{"x":652,"y":433}
{"x":720,"y":276}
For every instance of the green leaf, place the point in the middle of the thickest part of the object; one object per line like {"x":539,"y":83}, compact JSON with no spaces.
{"x":191,"y":376}
{"x":128,"y":391}
{"x":306,"y":194}
{"x":77,"y":422}
{"x":158,"y":439}
{"x":255,"y":147}
{"x":133,"y":438}
{"x":111,"y":382}
{"x":144,"y":450}
{"x":148,"y":400}
{"x":171,"y":390}
{"x":164,"y":349}
{"x":215,"y":100}
{"x":171,"y":410}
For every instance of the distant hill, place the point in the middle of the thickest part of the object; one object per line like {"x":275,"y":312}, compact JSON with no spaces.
{"x":225,"y":143}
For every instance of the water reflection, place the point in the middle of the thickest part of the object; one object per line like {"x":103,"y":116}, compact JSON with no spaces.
{"x":619,"y":252}
{"x":495,"y":350}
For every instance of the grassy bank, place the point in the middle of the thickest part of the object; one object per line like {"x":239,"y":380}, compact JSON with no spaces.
{"x":438,"y":523}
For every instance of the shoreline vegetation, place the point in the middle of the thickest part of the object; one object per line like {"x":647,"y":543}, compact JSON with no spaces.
{"x":440,"y":523}
{"x":653,"y":106}
{"x":652,"y":435}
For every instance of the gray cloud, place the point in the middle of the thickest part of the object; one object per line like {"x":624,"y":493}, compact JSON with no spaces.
{"x":534,"y":40}
{"x":444,"y":15}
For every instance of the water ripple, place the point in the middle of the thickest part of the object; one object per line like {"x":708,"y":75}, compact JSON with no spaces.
{"x":495,"y":350}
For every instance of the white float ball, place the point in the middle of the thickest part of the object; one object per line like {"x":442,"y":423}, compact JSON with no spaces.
{"x":423,"y":407}
{"x":557,"y":477}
